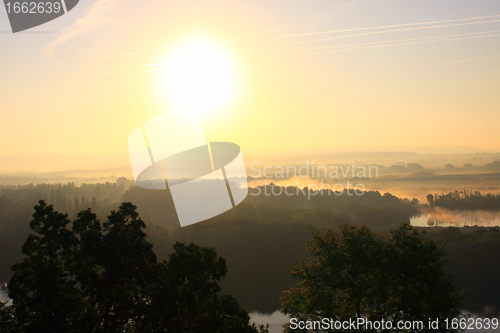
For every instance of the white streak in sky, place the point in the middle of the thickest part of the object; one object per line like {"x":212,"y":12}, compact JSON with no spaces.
{"x":375,"y":32}
{"x":379,"y":27}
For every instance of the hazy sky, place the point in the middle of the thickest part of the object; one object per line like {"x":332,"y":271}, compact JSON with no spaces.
{"x":81,"y":83}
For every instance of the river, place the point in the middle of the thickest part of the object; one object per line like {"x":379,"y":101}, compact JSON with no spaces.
{"x":276,"y":321}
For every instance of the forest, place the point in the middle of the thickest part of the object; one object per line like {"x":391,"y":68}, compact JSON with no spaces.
{"x":465,"y":200}
{"x":262,"y":238}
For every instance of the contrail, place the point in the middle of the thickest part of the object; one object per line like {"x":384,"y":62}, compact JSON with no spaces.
{"x":411,"y":43}
{"x":429,"y":64}
{"x":395,"y":41}
{"x":141,"y":68}
{"x":373,"y":33}
{"x":379,"y":27}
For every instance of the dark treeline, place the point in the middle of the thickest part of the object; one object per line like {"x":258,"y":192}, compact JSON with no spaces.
{"x":266,"y":234}
{"x":105,"y":277}
{"x":101,"y":197}
{"x":465,"y":200}
{"x":354,"y":273}
{"x":263,"y":236}
{"x":271,"y":202}
{"x":88,"y":276}
{"x":260,"y":253}
{"x":473,"y":254}
{"x":17,"y":202}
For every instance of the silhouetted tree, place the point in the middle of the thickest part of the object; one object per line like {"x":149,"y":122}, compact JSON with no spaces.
{"x":430,"y":199}
{"x":106,"y":278}
{"x":354,"y":274}
{"x":8,"y":323}
{"x":44,"y":294}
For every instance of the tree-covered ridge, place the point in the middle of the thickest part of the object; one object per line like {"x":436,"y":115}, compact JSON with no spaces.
{"x":473,"y":255}
{"x":465,"y":200}
{"x":156,"y":208}
{"x":106,"y":278}
{"x":68,"y":197}
{"x":262,"y":239}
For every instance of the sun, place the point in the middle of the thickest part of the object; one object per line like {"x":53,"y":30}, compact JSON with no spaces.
{"x":198,"y":76}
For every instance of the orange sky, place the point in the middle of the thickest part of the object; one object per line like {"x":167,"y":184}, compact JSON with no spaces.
{"x":84,"y":82}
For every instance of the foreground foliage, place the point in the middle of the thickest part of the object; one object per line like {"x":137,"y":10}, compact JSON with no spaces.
{"x":354,"y":274}
{"x":106,"y":278}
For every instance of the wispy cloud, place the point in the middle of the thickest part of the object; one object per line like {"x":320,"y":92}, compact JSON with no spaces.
{"x":95,"y":17}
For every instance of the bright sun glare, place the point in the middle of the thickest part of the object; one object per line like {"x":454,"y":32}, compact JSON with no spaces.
{"x":198,"y":75}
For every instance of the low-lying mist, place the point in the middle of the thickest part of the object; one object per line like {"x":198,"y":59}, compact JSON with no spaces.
{"x":438,"y":216}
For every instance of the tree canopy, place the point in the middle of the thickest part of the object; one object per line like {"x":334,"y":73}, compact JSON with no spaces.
{"x":105,"y":277}
{"x":354,"y":273}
